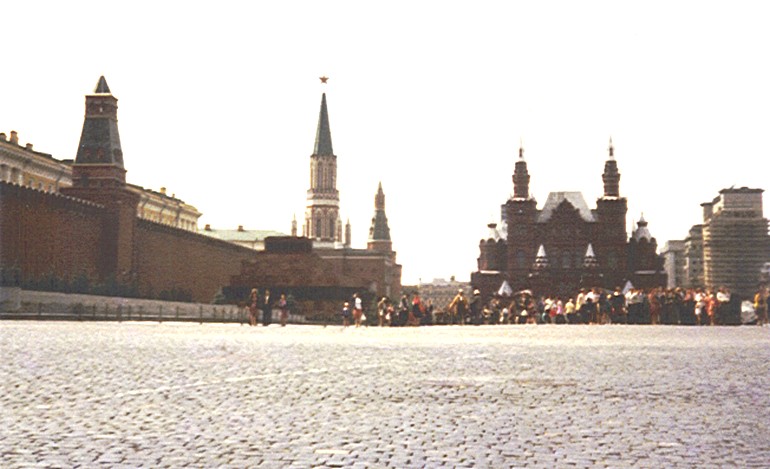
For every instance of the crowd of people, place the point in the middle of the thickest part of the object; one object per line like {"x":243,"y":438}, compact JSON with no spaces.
{"x":264,"y":304}
{"x":673,"y":306}
{"x":698,"y":306}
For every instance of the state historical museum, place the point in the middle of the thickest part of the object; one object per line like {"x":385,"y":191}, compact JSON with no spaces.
{"x":565,"y":245}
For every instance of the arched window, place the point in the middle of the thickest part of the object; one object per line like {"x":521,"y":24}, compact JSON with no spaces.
{"x":332,"y":229}
{"x":319,"y":175}
{"x":325,"y":182}
{"x":318,"y":227}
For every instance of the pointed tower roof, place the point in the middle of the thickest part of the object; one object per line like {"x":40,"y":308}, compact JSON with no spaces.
{"x":323,"y":136}
{"x":379,"y":230}
{"x":541,"y":260}
{"x":101,"y":86}
{"x":589,"y":260}
{"x":642,"y":232}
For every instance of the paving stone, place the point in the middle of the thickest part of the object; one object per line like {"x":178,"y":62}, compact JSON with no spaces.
{"x":172,"y":395}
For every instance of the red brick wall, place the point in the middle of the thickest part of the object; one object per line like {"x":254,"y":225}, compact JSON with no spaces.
{"x":166,"y":258}
{"x":44,"y":234}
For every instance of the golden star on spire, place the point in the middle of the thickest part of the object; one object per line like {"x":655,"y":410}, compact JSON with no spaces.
{"x":323,"y":79}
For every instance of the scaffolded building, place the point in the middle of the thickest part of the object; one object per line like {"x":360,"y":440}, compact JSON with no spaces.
{"x":735,"y":240}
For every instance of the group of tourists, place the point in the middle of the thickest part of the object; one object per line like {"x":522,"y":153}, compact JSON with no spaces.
{"x":598,"y":306}
{"x":672,"y":306}
{"x":264,"y":304}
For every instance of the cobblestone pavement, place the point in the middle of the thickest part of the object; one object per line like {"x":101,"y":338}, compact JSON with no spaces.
{"x":171,"y":395}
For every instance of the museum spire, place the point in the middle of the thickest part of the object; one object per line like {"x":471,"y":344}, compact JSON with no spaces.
{"x":611,"y":176}
{"x":521,"y":177}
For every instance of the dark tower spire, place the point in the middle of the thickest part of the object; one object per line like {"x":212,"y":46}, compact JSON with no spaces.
{"x":611,"y":176}
{"x":323,"y":136}
{"x":521,"y":177}
{"x":379,"y":232}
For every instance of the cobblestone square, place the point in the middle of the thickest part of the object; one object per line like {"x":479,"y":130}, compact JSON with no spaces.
{"x":211,"y":395}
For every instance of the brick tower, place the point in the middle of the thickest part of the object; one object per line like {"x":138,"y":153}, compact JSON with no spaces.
{"x":611,"y":211}
{"x":98,"y":175}
{"x":521,"y":217}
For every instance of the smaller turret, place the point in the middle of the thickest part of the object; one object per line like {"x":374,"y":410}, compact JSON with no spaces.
{"x":379,"y":232}
{"x":611,"y":176}
{"x":521,"y":177}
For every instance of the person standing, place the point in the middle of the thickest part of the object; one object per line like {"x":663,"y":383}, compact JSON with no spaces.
{"x":382,"y":307}
{"x":415,"y":314}
{"x":475,"y":307}
{"x":760,"y":306}
{"x":283,"y":307}
{"x":458,"y":308}
{"x":358,"y":309}
{"x":346,"y":315}
{"x":267,"y":308}
{"x":723,"y":305}
{"x":570,"y":312}
{"x":253,"y":306}
{"x":618,"y":305}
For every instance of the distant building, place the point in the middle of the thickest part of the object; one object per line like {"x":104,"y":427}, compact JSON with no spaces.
{"x":565,"y":245}
{"x":252,"y":239}
{"x":674,"y":262}
{"x":693,"y":258}
{"x":24,"y":166}
{"x":735,"y":240}
{"x":441,"y":292}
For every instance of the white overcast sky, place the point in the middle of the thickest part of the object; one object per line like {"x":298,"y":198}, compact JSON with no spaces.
{"x":218,"y":102}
